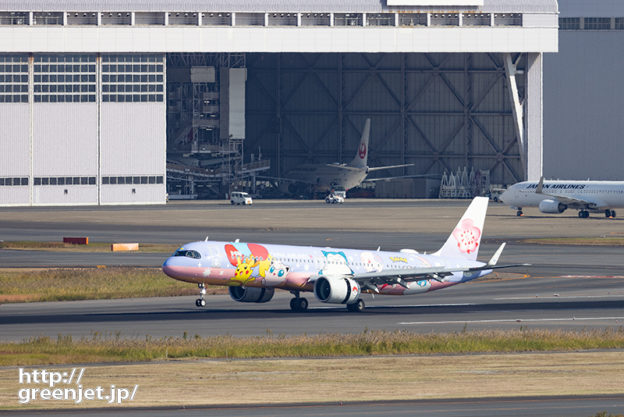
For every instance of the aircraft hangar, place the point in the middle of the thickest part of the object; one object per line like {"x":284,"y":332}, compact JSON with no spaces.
{"x":103,"y":102}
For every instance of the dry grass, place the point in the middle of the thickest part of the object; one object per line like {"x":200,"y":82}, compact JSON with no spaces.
{"x":56,"y":284}
{"x":577,"y":241}
{"x":91,"y":247}
{"x":112,"y":348}
{"x":214,"y":382}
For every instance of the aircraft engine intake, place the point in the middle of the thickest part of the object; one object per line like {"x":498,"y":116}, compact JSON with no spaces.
{"x":337,"y":290}
{"x":251,"y":294}
{"x":552,"y":206}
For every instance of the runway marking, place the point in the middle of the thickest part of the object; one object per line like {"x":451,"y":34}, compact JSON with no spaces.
{"x":592,"y":276}
{"x":408,"y":323}
{"x":404,"y":306}
{"x":559,"y":297}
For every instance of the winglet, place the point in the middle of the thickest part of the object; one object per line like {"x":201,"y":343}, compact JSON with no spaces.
{"x":494,"y":260}
{"x":540,"y":185}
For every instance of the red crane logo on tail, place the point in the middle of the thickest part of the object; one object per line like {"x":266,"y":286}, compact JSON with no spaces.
{"x":362,"y":150}
{"x":467,"y":236}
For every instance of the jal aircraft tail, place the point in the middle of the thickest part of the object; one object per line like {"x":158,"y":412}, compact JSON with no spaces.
{"x":361,"y":156}
{"x":465,"y":240}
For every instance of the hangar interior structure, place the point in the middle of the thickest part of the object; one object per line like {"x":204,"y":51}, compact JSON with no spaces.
{"x":104,"y":102}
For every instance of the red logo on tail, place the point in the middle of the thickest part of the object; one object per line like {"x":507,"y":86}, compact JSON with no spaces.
{"x":362,"y":151}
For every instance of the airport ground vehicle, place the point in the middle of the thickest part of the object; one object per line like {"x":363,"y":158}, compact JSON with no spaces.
{"x":335,"y":197}
{"x":240,"y":198}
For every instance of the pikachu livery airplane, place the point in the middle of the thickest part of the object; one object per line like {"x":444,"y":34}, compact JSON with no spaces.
{"x":253,"y":271}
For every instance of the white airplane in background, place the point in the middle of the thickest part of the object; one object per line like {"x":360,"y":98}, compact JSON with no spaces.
{"x":558,"y":196}
{"x":325,"y":177}
{"x":339,"y":276}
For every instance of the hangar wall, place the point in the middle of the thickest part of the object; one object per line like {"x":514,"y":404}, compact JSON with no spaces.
{"x":82,"y":129}
{"x":583,"y":105}
{"x":438,"y":111}
{"x":584,"y":93}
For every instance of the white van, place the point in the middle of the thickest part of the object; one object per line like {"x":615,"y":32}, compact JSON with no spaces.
{"x":239,"y":197}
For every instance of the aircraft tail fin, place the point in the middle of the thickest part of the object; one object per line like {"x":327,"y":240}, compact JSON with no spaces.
{"x":361,"y":155}
{"x":465,"y":239}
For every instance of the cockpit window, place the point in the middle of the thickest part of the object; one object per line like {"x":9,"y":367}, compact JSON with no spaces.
{"x":188,"y":253}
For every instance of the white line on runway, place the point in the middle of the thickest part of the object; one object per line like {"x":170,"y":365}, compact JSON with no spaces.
{"x":405,"y":305}
{"x":408,"y":323}
{"x":559,"y":297}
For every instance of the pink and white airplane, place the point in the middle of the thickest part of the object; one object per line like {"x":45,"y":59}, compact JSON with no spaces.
{"x":253,"y":271}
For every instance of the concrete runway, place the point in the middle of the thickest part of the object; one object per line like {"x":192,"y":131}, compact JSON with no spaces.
{"x":553,"y":303}
{"x":569,"y":406}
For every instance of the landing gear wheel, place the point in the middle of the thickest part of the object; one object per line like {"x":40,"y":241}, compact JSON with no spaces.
{"x":299,"y":304}
{"x":519,"y":213}
{"x":200,"y":302}
{"x":613,"y":214}
{"x":608,"y":213}
{"x":357,"y":307}
{"x":583,"y":214}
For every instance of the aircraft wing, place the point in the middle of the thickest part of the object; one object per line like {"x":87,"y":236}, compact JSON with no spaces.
{"x":346,"y":167}
{"x":570,"y":200}
{"x":370,"y":280}
{"x":398,"y":177}
{"x":401,"y":277}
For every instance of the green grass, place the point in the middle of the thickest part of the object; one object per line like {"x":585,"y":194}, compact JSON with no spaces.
{"x":19,"y":285}
{"x":91,"y":247}
{"x":65,"y":350}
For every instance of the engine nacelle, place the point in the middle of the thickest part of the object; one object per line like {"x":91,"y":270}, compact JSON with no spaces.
{"x":251,"y":294}
{"x":552,"y":206}
{"x":337,"y":290}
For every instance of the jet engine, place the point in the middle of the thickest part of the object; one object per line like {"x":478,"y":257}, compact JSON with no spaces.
{"x":337,"y":290}
{"x":251,"y":294}
{"x":552,"y":206}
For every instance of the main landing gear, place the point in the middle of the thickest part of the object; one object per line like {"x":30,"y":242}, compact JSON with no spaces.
{"x":519,"y":213}
{"x":357,"y":307}
{"x":583,"y":214}
{"x":298,"y":303}
{"x":610,"y":214}
{"x":200,"y":302}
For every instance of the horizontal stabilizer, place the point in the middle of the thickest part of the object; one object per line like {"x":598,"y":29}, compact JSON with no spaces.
{"x":371,"y":169}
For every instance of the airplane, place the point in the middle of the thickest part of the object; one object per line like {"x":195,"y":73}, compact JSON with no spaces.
{"x":254,"y":271}
{"x":558,"y":196}
{"x":335,"y":176}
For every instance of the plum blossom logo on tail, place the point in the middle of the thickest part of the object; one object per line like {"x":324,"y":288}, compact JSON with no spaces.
{"x":467,"y":236}
{"x":362,"y":150}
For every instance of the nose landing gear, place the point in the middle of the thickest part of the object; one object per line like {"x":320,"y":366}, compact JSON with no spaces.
{"x":200,"y":302}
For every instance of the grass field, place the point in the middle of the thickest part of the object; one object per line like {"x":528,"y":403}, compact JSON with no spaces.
{"x":361,"y":378}
{"x":58,"y":284}
{"x":112,"y":348}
